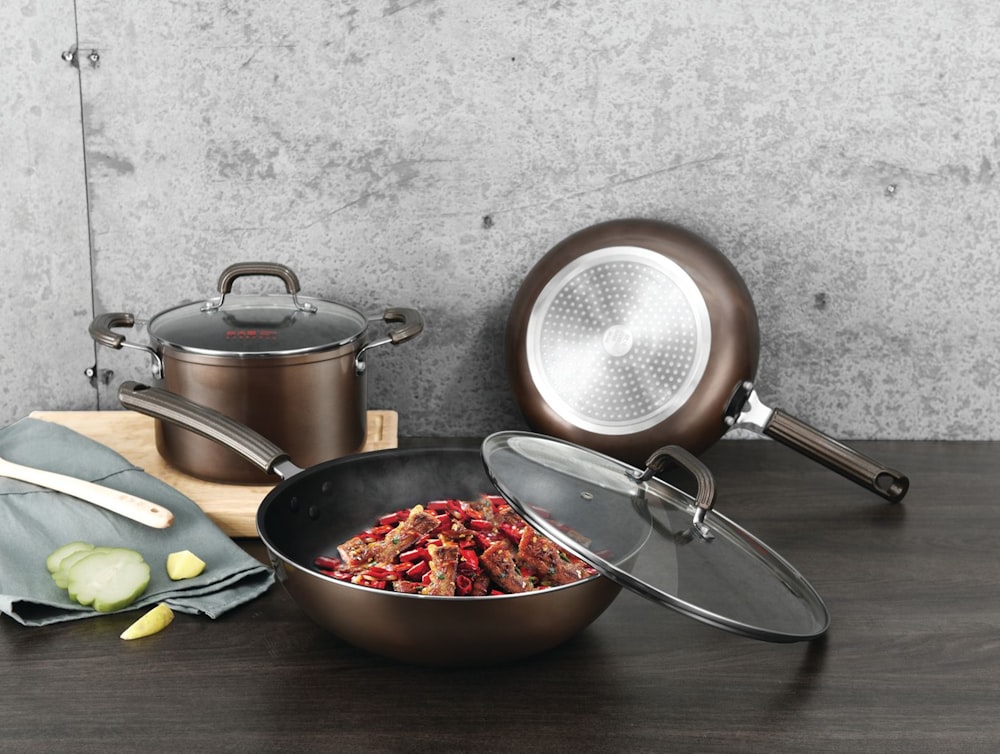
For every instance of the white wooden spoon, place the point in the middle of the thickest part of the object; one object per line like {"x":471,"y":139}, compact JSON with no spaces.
{"x":122,"y":503}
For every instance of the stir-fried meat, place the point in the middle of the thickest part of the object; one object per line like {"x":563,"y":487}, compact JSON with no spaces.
{"x":480,"y":586}
{"x":456,"y":530}
{"x":444,"y":566}
{"x":416,"y":526}
{"x":508,"y":516}
{"x":495,"y":514}
{"x":498,"y":560}
{"x":356,"y":552}
{"x":544,"y":557}
{"x":483,"y":507}
{"x":408,"y":587}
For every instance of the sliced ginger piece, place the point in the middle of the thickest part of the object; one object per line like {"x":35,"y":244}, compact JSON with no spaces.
{"x":152,"y":622}
{"x":184,"y":565}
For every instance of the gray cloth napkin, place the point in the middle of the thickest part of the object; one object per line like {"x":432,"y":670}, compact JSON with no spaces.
{"x":35,"y":521}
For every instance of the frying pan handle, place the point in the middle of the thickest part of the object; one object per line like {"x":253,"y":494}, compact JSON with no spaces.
{"x":846,"y":461}
{"x":207,"y":422}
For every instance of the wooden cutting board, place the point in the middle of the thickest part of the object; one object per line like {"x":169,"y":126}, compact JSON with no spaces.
{"x":233,"y":507}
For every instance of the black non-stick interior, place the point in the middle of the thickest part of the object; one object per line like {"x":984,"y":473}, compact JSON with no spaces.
{"x":314,"y":511}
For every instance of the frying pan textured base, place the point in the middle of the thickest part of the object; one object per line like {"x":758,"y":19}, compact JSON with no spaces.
{"x":630,"y":335}
{"x":313,"y":512}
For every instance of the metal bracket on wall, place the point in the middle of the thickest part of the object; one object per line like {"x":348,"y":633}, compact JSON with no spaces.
{"x":72,"y":56}
{"x":94,"y":374}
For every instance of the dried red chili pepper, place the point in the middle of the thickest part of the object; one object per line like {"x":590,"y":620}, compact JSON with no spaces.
{"x":411,"y":556}
{"x":417,"y":570}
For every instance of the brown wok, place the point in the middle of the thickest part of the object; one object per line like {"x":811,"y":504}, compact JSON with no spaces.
{"x":311,"y":511}
{"x":634,"y":334}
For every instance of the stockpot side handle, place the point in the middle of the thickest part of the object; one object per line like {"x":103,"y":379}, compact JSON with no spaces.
{"x":207,"y":422}
{"x":100,"y":330}
{"x":412,"y":325}
{"x":848,"y":462}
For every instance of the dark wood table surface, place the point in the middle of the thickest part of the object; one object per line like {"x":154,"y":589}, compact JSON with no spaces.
{"x":911,"y":661}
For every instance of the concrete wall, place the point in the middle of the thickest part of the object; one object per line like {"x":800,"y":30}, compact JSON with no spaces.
{"x":427,"y":153}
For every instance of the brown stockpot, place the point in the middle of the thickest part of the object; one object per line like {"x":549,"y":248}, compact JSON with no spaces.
{"x":634,"y":334}
{"x":291,"y":367}
{"x":673,"y":548}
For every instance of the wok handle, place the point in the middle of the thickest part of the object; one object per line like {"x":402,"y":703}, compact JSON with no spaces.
{"x":836,"y":456}
{"x":170,"y":407}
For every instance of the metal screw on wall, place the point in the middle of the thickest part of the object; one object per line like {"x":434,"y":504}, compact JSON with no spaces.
{"x":71,"y":56}
{"x":104,"y":375}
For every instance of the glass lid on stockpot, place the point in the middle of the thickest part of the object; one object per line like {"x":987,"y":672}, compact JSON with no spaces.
{"x":653,"y":538}
{"x":268,"y":324}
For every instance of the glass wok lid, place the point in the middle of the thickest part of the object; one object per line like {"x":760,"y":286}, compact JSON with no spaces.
{"x":654,"y":538}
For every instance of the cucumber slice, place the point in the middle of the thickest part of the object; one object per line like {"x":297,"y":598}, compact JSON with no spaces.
{"x":56,"y":556}
{"x":61,"y":576}
{"x":108,"y":579}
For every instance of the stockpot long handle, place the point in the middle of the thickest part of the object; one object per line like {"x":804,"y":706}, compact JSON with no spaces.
{"x":207,"y":422}
{"x":833,"y":454}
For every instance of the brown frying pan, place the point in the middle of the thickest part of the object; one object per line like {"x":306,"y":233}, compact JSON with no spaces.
{"x":634,"y":334}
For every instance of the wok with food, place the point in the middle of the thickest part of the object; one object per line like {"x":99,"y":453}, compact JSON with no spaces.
{"x":312,"y":512}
